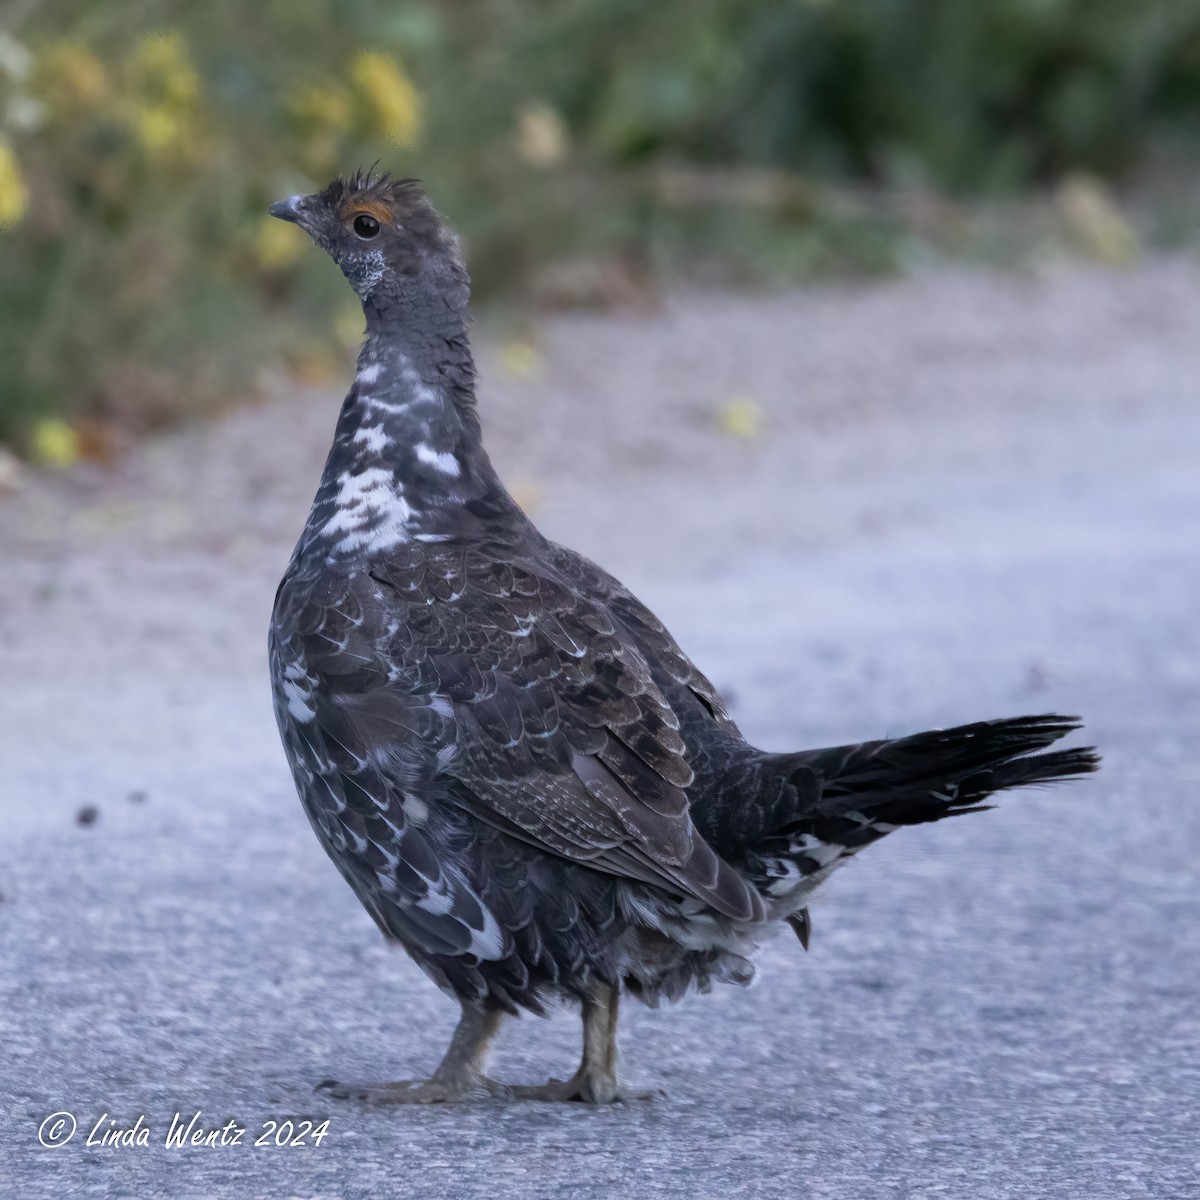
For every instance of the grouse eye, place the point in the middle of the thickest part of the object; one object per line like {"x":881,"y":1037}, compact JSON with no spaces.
{"x":365,"y":226}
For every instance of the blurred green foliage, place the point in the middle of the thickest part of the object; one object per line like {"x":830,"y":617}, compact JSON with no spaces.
{"x":141,"y":140}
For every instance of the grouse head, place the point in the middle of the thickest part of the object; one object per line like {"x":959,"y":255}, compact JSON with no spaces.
{"x":390,"y":242}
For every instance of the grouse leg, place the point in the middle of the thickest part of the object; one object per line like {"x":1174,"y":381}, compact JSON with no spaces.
{"x":596,"y":1080}
{"x":459,"y":1076}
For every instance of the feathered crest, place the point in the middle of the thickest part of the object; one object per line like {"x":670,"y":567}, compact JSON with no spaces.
{"x":399,"y":204}
{"x":366,"y":184}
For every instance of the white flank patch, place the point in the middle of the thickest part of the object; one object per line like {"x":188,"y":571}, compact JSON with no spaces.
{"x":415,"y":809}
{"x":374,"y":404}
{"x":297,"y":701}
{"x":436,"y":902}
{"x":822,"y":852}
{"x":371,"y":514}
{"x":489,"y":941}
{"x":422,"y":392}
{"x":704,"y":932}
{"x":355,"y":841}
{"x":789,"y":877}
{"x":641,"y":910}
{"x":373,"y":438}
{"x":440,"y":461}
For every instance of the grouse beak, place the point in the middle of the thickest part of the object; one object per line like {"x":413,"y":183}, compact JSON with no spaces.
{"x":292,"y":209}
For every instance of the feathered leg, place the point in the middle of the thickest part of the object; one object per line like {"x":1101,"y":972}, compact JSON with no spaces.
{"x":459,"y":1076}
{"x":596,"y":1080}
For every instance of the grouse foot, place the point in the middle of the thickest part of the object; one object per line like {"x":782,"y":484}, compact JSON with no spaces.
{"x":459,"y":1076}
{"x":583,"y":1088}
{"x":417,"y":1091}
{"x":596,"y":1080}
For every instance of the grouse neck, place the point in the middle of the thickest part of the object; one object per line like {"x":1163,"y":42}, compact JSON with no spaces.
{"x":407,"y":464}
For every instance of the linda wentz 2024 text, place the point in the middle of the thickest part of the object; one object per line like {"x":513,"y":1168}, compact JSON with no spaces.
{"x":188,"y":1132}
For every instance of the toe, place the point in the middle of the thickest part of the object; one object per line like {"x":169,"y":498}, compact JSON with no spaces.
{"x":412,"y":1091}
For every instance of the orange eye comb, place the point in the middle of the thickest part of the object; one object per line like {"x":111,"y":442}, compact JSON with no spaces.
{"x":373,"y":208}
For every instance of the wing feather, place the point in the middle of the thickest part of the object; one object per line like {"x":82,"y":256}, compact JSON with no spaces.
{"x":520,"y":691}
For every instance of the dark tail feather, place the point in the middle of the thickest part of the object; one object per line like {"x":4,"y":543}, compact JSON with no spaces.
{"x":942,"y":773}
{"x":844,"y":798}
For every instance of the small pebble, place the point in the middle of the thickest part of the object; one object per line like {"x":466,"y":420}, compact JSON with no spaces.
{"x":87,"y":815}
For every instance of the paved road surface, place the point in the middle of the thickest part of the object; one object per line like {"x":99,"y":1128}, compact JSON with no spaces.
{"x":970,"y":497}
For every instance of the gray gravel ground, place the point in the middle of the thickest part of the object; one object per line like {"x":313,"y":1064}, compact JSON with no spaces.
{"x":972,"y":496}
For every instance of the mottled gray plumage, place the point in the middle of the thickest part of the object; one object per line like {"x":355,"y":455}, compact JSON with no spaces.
{"x":524,"y":779}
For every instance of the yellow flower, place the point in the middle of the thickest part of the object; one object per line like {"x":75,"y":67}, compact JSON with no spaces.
{"x":322,"y":106}
{"x":277,"y":244}
{"x":324,"y":112}
{"x":740,"y":418}
{"x":348,"y":326}
{"x":542,"y":138}
{"x":54,"y":443}
{"x":162,"y":70}
{"x":527,"y":492}
{"x":14,"y":196}
{"x":391,"y":98}
{"x":313,"y":365}
{"x":519,"y":359}
{"x":72,"y":77}
{"x":163,"y":97}
{"x":156,"y":129}
{"x":1096,"y":221}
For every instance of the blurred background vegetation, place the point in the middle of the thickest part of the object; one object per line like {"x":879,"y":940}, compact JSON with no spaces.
{"x":585,"y":148}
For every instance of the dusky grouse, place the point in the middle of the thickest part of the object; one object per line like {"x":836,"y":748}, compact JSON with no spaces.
{"x":520,"y":774}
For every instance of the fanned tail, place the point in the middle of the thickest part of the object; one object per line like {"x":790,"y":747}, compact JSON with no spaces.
{"x":846,"y":797}
{"x":944,"y":772}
